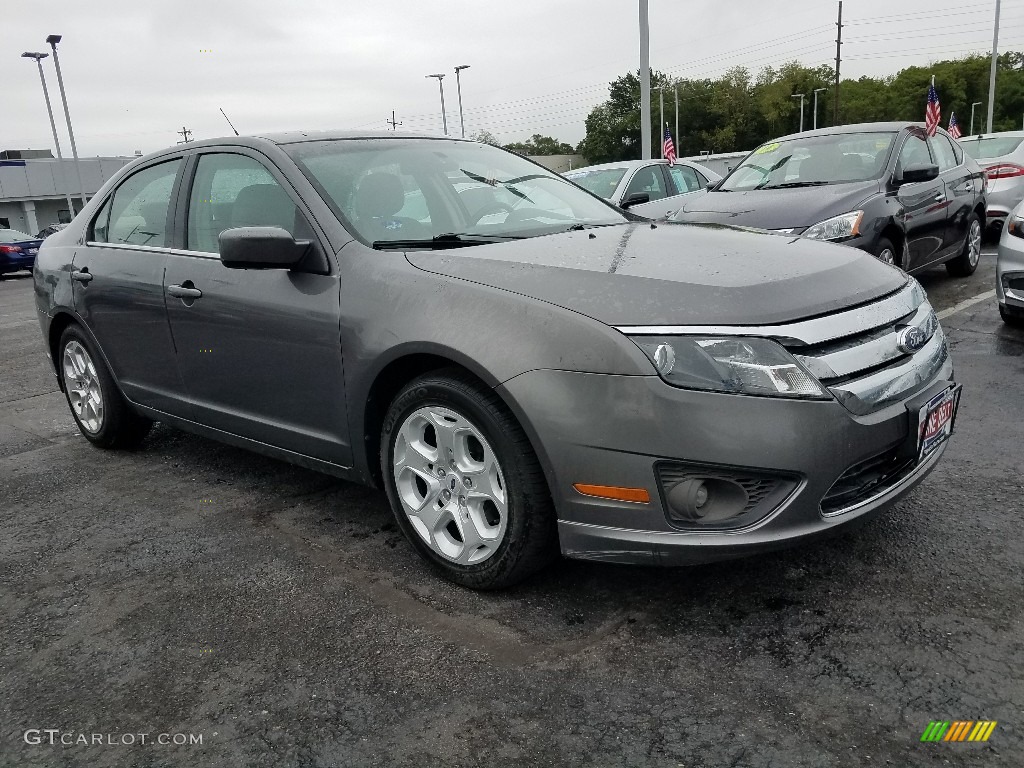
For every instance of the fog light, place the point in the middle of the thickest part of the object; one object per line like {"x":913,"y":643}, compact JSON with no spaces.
{"x":708,"y":499}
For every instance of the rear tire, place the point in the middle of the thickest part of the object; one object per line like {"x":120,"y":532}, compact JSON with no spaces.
{"x":967,"y":261}
{"x":464,"y":483}
{"x":97,"y":405}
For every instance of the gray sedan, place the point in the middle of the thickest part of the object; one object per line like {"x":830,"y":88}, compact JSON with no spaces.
{"x":650,"y":188}
{"x":523,"y":373}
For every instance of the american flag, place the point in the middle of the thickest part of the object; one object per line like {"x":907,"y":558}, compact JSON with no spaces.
{"x":954,"y":126}
{"x":933,"y":112}
{"x":668,"y":147}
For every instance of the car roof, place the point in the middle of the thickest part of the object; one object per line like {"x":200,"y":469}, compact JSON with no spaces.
{"x":835,"y":130}
{"x":994,"y":134}
{"x":627,"y":164}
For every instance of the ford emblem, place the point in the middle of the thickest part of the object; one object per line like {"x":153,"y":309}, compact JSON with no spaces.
{"x":911,"y":340}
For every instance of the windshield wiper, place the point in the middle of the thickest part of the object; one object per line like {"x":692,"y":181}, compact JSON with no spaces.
{"x":794,"y":184}
{"x":440,"y":242}
{"x":495,"y":182}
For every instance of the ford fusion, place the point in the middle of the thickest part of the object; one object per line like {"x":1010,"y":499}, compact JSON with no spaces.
{"x":523,"y":368}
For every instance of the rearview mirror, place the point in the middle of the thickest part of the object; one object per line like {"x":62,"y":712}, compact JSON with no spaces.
{"x":917,"y":173}
{"x":260,"y":248}
{"x":635,"y":199}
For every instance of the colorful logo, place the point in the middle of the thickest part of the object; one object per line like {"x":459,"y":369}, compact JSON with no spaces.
{"x":958,"y":730}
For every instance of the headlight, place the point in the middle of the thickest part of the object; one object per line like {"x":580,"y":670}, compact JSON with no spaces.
{"x":836,"y":228}
{"x":739,"y":365}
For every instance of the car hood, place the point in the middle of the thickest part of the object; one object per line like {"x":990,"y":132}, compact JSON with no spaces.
{"x":796,"y":208}
{"x":674,"y":274}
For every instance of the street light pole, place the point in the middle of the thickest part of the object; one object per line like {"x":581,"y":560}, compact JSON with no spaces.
{"x":53,"y":126}
{"x":992,"y":69}
{"x":816,"y":92}
{"x":661,"y":115}
{"x":645,"y":81}
{"x":801,"y":97}
{"x":53,"y":40}
{"x":458,"y":85}
{"x":972,"y":115}
{"x":444,"y":118}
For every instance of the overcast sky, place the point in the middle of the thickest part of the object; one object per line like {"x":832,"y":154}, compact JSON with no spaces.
{"x":137,"y":71}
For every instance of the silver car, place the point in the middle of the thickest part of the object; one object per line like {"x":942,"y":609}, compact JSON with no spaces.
{"x":1010,"y":269}
{"x":1001,"y":155}
{"x":650,"y":188}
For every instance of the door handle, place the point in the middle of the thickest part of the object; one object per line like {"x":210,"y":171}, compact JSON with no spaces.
{"x":184,"y":292}
{"x":81,"y":275}
{"x":939,"y":197}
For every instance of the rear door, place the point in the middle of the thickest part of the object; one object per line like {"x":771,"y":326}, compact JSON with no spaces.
{"x":258,"y":349}
{"x":959,"y":183}
{"x":118,"y":286}
{"x":923,"y":203}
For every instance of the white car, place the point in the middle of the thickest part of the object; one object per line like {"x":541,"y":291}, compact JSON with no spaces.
{"x":650,"y":188}
{"x":1010,"y":269}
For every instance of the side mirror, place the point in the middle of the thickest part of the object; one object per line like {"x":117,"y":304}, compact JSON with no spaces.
{"x":260,"y":248}
{"x":635,"y":199}
{"x":917,"y":173}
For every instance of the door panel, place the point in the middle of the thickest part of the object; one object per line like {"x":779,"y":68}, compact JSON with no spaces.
{"x":959,"y":191}
{"x":924,"y":206}
{"x":118,"y":289}
{"x":259,"y":350}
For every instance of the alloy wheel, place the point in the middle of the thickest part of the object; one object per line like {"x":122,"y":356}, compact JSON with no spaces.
{"x":450,"y":485}
{"x":83,"y":387}
{"x":887,"y":257}
{"x":974,"y":242}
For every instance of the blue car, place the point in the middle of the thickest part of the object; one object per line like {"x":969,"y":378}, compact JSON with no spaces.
{"x":17,"y":250}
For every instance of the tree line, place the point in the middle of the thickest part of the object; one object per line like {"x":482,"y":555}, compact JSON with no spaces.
{"x":739,"y":111}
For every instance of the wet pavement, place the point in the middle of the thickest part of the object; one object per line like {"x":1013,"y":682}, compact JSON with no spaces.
{"x":198,"y":591}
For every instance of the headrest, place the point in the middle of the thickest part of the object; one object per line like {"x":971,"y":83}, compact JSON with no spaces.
{"x":379,"y":195}
{"x":263,"y":205}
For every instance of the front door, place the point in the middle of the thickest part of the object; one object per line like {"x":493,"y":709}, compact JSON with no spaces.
{"x":924,"y":206}
{"x":259,"y":349}
{"x":959,"y":190}
{"x":118,"y":287}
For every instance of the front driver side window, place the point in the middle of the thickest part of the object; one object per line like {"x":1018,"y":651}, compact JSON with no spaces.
{"x":237,"y":191}
{"x":138,"y":210}
{"x":647,"y":180}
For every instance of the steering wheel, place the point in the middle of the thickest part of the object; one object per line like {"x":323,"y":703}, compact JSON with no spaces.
{"x":491,"y":209}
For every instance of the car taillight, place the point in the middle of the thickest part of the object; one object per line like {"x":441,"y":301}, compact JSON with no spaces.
{"x":1004,"y":171}
{"x":9,"y":249}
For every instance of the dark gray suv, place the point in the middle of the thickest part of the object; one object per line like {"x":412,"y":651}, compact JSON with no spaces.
{"x":517,"y":363}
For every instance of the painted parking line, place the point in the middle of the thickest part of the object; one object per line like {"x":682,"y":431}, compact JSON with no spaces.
{"x":965,"y":304}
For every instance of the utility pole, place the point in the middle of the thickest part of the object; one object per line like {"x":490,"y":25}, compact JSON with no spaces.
{"x":839,"y":46}
{"x":645,"y":81}
{"x":185,"y":133}
{"x":392,"y":122}
{"x":992,"y":70}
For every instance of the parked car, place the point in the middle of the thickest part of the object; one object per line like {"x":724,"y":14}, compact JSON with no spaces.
{"x":650,"y":188}
{"x":887,"y":188}
{"x":48,"y":230}
{"x":558,"y":374}
{"x":1010,"y":269}
{"x":17,"y":251}
{"x":1001,"y":156}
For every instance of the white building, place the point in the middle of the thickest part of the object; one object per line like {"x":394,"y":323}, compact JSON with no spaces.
{"x":32,"y":191}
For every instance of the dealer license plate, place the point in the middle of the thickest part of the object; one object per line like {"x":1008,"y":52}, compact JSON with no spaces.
{"x":935,"y":422}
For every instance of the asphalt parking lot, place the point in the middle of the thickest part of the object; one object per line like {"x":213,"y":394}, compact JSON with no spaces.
{"x":192,"y":589}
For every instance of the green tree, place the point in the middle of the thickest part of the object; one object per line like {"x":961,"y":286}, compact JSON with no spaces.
{"x":541,"y":145}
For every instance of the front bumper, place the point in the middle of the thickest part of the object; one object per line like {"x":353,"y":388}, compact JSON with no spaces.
{"x":613,"y":430}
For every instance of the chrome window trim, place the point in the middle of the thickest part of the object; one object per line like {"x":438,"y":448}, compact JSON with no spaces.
{"x":819,"y":330}
{"x":151,"y":249}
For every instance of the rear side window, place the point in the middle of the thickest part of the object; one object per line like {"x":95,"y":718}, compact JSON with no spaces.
{"x":237,"y":191}
{"x":138,"y":209}
{"x":684,"y":178}
{"x":992,"y":146}
{"x":945,"y":155}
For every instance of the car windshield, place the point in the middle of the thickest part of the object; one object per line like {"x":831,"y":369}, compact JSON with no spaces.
{"x":602,"y":183}
{"x":13,"y":236}
{"x":982,"y":147}
{"x":438,"y":193}
{"x":806,"y":161}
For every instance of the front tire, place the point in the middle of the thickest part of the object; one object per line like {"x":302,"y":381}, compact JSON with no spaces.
{"x":965,"y":264}
{"x":97,"y":405}
{"x":464,"y":482}
{"x":1011,"y":317}
{"x":885,"y":252}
